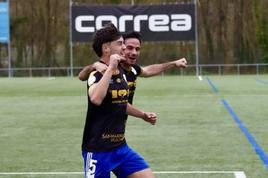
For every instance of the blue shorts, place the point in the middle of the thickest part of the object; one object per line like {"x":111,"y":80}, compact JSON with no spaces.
{"x":122,"y":162}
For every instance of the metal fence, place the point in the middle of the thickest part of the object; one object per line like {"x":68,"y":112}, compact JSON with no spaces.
{"x":204,"y":69}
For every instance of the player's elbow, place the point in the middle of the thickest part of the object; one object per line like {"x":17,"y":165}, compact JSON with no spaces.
{"x":96,"y":95}
{"x":81,"y":77}
{"x":96,"y":100}
{"x":146,"y":75}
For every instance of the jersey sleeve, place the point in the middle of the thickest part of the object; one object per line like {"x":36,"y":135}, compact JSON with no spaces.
{"x":138,"y":69}
{"x":94,"y":77}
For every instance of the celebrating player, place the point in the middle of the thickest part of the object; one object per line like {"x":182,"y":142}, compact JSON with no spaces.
{"x":132,"y":70}
{"x":104,"y":147}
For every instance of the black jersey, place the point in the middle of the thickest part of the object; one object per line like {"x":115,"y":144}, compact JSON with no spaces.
{"x":131,"y":76}
{"x":105,"y":124}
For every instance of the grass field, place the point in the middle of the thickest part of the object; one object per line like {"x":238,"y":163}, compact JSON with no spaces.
{"x":42,"y":120}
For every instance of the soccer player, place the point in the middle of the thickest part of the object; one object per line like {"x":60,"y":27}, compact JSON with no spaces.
{"x":132,"y":70}
{"x":104,"y":147}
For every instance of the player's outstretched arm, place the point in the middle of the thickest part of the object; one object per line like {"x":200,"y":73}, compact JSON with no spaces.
{"x":156,"y":69}
{"x":146,"y":116}
{"x":84,"y":73}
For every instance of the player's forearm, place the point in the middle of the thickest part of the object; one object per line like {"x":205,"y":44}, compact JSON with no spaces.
{"x":156,"y":69}
{"x":135,"y":112}
{"x":84,"y":73}
{"x":99,"y":91}
{"x":146,"y":116}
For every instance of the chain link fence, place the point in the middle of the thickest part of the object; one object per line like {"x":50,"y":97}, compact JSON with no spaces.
{"x":204,"y":69}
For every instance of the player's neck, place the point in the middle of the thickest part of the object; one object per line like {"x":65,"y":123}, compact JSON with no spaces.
{"x":105,"y":59}
{"x":125,"y":66}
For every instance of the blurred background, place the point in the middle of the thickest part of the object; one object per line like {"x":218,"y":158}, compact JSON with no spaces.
{"x":233,"y":38}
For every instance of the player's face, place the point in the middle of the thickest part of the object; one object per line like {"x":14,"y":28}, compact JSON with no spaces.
{"x":132,"y":50}
{"x":117,"y":47}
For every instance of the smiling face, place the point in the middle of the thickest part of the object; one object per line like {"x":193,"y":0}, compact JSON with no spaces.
{"x":132,"y":50}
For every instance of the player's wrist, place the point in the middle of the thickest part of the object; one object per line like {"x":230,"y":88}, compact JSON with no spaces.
{"x":108,"y":72}
{"x":144,"y":116}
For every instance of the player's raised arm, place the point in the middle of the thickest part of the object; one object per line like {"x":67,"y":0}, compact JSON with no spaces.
{"x":84,"y":73}
{"x":98,"y":91}
{"x":156,"y":69}
{"x":146,"y":116}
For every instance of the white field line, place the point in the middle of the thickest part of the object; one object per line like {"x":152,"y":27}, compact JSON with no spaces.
{"x":240,"y":174}
{"x":237,"y":174}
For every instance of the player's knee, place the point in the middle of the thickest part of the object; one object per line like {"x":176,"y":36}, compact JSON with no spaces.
{"x":146,"y":173}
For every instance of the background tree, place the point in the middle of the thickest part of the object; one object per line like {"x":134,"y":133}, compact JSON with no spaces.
{"x":229,"y":32}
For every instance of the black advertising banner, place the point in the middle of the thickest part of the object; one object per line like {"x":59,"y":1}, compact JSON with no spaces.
{"x":171,"y":22}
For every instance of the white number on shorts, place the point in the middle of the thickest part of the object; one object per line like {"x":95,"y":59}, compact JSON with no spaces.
{"x":92,"y":166}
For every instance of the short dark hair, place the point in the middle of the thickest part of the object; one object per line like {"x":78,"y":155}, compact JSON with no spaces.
{"x":106,"y":34}
{"x":132,"y":34}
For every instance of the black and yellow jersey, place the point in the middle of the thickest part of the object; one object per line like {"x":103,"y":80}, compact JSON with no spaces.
{"x":105,"y":124}
{"x":131,"y":75}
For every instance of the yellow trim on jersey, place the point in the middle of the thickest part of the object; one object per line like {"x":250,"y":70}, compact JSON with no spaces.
{"x":92,"y":73}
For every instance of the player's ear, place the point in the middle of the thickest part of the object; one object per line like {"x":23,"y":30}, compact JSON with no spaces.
{"x":106,"y":48}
